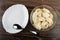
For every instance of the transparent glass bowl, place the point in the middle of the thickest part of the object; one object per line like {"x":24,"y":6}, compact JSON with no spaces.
{"x":52,"y":10}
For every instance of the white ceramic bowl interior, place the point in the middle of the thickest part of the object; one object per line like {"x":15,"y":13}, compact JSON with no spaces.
{"x":16,"y":14}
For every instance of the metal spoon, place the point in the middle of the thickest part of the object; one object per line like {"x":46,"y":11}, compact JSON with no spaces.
{"x":17,"y":26}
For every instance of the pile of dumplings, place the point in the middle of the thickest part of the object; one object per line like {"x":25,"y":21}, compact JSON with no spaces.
{"x":42,"y":18}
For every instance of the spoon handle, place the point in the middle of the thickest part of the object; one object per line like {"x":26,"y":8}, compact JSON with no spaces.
{"x":17,"y":26}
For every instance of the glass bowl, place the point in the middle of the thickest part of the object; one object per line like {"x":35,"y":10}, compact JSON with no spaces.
{"x":52,"y":10}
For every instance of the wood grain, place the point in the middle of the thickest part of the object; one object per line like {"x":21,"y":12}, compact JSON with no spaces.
{"x":53,"y":34}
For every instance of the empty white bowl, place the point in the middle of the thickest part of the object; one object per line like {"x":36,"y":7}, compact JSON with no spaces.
{"x":16,"y":14}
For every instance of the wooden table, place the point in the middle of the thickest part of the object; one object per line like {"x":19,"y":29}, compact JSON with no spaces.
{"x":53,"y":34}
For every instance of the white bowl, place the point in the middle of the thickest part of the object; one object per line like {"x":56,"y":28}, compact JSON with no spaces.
{"x":16,"y":14}
{"x":51,"y":9}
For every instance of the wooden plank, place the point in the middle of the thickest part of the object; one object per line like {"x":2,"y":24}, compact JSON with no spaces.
{"x":30,"y":4}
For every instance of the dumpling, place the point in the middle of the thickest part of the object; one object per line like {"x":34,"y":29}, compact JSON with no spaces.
{"x":45,"y":14}
{"x":38,"y":26}
{"x":50,"y":21}
{"x":51,"y":16}
{"x":44,"y":25}
{"x":46,"y":10}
